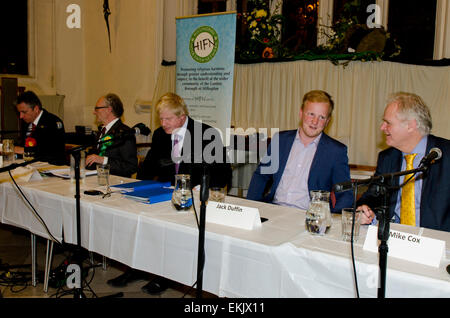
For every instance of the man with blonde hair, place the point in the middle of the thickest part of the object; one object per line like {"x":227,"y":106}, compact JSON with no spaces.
{"x":425,"y":200}
{"x":189,"y":138}
{"x":308,"y":160}
{"x":180,"y":146}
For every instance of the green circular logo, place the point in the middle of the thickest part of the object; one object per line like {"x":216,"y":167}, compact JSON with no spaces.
{"x":204,"y":44}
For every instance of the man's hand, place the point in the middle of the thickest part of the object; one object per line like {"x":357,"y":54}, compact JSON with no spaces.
{"x":91,"y":159}
{"x":367,"y":214}
{"x":18,"y":150}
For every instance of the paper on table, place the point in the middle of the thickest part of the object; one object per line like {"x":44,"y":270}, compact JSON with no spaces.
{"x":65,"y":173}
{"x":22,"y":174}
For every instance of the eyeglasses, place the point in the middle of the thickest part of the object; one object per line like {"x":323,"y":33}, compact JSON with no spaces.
{"x":100,"y":107}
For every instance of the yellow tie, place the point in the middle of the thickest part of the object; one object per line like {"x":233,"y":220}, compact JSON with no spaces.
{"x":408,"y":210}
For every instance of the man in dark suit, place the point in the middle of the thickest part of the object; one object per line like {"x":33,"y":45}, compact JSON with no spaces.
{"x":161,"y":163}
{"x":180,"y":146}
{"x":120,"y":153}
{"x":407,"y":125}
{"x":301,"y":160}
{"x":46,"y":128}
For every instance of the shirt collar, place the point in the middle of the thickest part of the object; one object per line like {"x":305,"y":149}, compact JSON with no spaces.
{"x":315,"y":142}
{"x":420,"y":148}
{"x":38,"y":117}
{"x":180,"y":132}
{"x":110,"y":124}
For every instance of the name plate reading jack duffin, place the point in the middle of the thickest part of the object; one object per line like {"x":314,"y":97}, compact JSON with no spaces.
{"x":407,"y":246}
{"x":232,"y":215}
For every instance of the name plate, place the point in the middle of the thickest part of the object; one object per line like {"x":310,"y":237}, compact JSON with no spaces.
{"x":232,"y":215}
{"x":407,"y":246}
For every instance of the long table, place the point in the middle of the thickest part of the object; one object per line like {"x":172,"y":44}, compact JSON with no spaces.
{"x":279,"y":259}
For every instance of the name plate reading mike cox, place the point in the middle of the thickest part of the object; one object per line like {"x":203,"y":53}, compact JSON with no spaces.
{"x":232,"y":215}
{"x":407,"y":246}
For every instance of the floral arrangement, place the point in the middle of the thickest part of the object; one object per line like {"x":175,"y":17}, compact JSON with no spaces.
{"x":264,"y":28}
{"x":346,"y":40}
{"x":358,"y":42}
{"x":350,"y":40}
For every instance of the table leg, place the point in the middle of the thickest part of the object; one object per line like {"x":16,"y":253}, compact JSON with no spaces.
{"x":33,"y":260}
{"x":48,"y":263}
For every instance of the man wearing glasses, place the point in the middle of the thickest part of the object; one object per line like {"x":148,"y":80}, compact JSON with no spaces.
{"x":117,"y":144}
{"x":305,"y":159}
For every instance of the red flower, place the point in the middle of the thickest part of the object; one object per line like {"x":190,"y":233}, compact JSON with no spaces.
{"x":267,"y":53}
{"x":266,"y":40}
{"x":30,"y":142}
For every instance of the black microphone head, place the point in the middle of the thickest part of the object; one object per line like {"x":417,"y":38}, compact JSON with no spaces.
{"x":142,"y":129}
{"x":433,"y":155}
{"x":337,"y":188}
{"x":438,"y":153}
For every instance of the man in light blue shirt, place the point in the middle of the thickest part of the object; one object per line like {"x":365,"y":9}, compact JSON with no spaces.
{"x":305,"y":159}
{"x":407,"y":125}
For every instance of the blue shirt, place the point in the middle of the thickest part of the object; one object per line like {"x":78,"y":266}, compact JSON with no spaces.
{"x":293,"y":187}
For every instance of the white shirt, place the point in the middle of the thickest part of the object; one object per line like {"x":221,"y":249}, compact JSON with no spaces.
{"x":180,"y":133}
{"x":107,"y":128}
{"x":35,"y":122}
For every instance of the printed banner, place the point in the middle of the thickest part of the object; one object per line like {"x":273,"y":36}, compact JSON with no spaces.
{"x":205,"y":67}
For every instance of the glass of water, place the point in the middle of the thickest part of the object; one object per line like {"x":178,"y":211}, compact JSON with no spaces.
{"x":350,"y":219}
{"x":182,"y":197}
{"x":8,"y":151}
{"x":103,"y":174}
{"x":217,"y":194}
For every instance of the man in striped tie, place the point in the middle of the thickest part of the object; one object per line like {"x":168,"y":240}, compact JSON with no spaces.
{"x":423,"y":199}
{"x":178,"y":147}
{"x":121,"y":152}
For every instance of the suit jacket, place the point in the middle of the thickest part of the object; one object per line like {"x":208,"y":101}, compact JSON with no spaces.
{"x":122,"y":153}
{"x":329,"y":166}
{"x":435,"y":197}
{"x":158,"y":163}
{"x":50,"y":138}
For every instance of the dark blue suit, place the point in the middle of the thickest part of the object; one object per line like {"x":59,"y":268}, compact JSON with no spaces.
{"x":435,"y":198}
{"x":329,"y":166}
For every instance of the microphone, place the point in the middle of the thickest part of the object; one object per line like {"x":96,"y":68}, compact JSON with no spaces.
{"x":343,"y":186}
{"x":141,"y":129}
{"x":433,"y":155}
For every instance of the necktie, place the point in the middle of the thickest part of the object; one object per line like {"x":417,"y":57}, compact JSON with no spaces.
{"x":407,"y":210}
{"x":33,"y":128}
{"x":102,"y":133}
{"x":176,"y":152}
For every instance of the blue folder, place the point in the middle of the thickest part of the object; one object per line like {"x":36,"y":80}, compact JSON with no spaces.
{"x":140,"y":185}
{"x":150,"y":195}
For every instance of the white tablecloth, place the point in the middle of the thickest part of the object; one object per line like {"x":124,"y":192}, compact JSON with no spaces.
{"x":280,"y":259}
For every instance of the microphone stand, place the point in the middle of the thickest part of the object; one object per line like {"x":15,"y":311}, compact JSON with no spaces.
{"x":76,"y":153}
{"x":382,"y":187}
{"x":204,"y":195}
